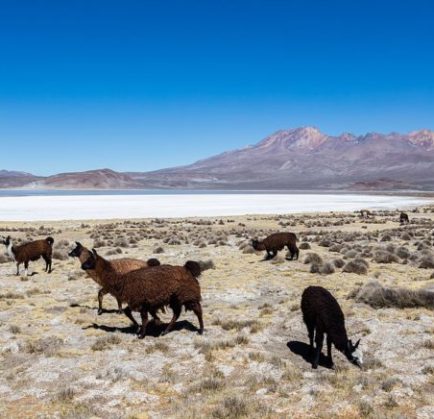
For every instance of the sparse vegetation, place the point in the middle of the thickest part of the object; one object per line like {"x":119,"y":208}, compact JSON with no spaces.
{"x":377,"y":296}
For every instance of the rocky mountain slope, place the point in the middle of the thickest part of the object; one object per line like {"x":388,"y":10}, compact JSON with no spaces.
{"x":305,"y":158}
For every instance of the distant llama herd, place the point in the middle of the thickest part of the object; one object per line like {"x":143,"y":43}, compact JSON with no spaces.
{"x":149,"y":287}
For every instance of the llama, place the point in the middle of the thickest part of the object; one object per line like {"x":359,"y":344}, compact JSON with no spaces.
{"x":277,"y":241}
{"x":122,"y":266}
{"x":323,"y":315}
{"x":403,"y":218}
{"x":148,"y":290}
{"x":30,"y":252}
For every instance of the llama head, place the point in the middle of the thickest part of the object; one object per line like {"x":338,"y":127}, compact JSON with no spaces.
{"x":90,"y":262}
{"x":76,"y":252}
{"x":254,"y":243}
{"x":353,"y":353}
{"x":6,"y":240}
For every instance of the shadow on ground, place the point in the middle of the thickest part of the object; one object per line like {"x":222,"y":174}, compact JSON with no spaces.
{"x":152,"y":329}
{"x":303,"y":349}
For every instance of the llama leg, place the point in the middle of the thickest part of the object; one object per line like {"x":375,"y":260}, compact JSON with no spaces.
{"x":119,"y":305}
{"x":176,"y":313}
{"x":319,"y":339}
{"x":290,"y":252}
{"x":311,"y":333}
{"x":157,"y":319}
{"x":274,"y":253}
{"x":197,"y":309}
{"x":269,"y":256}
{"x":329,"y":350}
{"x":127,"y":312}
{"x":18,"y":269}
{"x":144,"y":315}
{"x":101,"y":294}
{"x":46,"y":262}
{"x":26,"y":268}
{"x":49,"y":265}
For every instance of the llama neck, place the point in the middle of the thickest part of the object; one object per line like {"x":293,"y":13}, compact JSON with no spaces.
{"x":260,"y":246}
{"x":105,"y":272}
{"x":339,"y":338}
{"x":10,"y":249}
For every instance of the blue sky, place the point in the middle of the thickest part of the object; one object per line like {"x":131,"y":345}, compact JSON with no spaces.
{"x":141,"y":85}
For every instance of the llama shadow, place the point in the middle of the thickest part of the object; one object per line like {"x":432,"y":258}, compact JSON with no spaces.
{"x":152,"y":329}
{"x":104,"y":310}
{"x":267,"y":259}
{"x":21,"y":275}
{"x":303,"y":349}
{"x":107,"y":311}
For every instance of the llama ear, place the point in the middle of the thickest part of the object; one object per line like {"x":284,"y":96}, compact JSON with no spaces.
{"x":94,"y":252}
{"x":357,"y":344}
{"x":78,"y":244}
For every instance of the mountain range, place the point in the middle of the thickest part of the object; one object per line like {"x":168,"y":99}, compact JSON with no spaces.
{"x":300,"y":158}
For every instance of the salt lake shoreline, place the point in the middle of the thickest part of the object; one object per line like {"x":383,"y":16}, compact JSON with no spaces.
{"x":130,"y":206}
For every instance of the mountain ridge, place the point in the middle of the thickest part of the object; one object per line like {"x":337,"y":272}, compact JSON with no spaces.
{"x":297,"y":158}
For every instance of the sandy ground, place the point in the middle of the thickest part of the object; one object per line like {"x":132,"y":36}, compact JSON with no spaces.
{"x":60,"y":359}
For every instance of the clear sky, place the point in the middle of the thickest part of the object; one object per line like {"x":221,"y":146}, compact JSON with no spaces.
{"x":140,"y":85}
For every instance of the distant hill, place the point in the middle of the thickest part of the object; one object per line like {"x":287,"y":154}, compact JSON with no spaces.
{"x":12,"y":179}
{"x":300,"y":158}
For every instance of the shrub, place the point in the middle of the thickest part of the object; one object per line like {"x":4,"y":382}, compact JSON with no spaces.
{"x":356,"y":266}
{"x":327,"y":269}
{"x":403,"y":252}
{"x":351,"y":254}
{"x":386,"y":238}
{"x":304,"y":246}
{"x":232,"y":407}
{"x":47,"y":346}
{"x":314,"y":268}
{"x":339,"y":263}
{"x":389,"y":383}
{"x":405,"y":237}
{"x":377,"y":296}
{"x":426,"y":262}
{"x":313,"y":258}
{"x":325,"y":243}
{"x":4,"y":259}
{"x":336,"y":248}
{"x":60,"y":255}
{"x":105,"y":342}
{"x":383,"y":256}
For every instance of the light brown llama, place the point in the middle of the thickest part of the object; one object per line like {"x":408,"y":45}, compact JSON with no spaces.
{"x":30,"y":252}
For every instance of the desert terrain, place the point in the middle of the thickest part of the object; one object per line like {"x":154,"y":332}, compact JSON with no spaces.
{"x":59,"y":359}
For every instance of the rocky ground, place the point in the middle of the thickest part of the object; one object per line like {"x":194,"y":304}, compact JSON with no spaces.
{"x":60,"y":359}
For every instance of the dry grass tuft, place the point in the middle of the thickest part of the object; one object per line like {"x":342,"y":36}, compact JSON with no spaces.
{"x":377,"y":296}
{"x":357,"y":266}
{"x":106,"y":342}
{"x":313,"y":258}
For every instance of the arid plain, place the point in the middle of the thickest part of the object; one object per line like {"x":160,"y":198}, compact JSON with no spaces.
{"x":60,"y":359}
